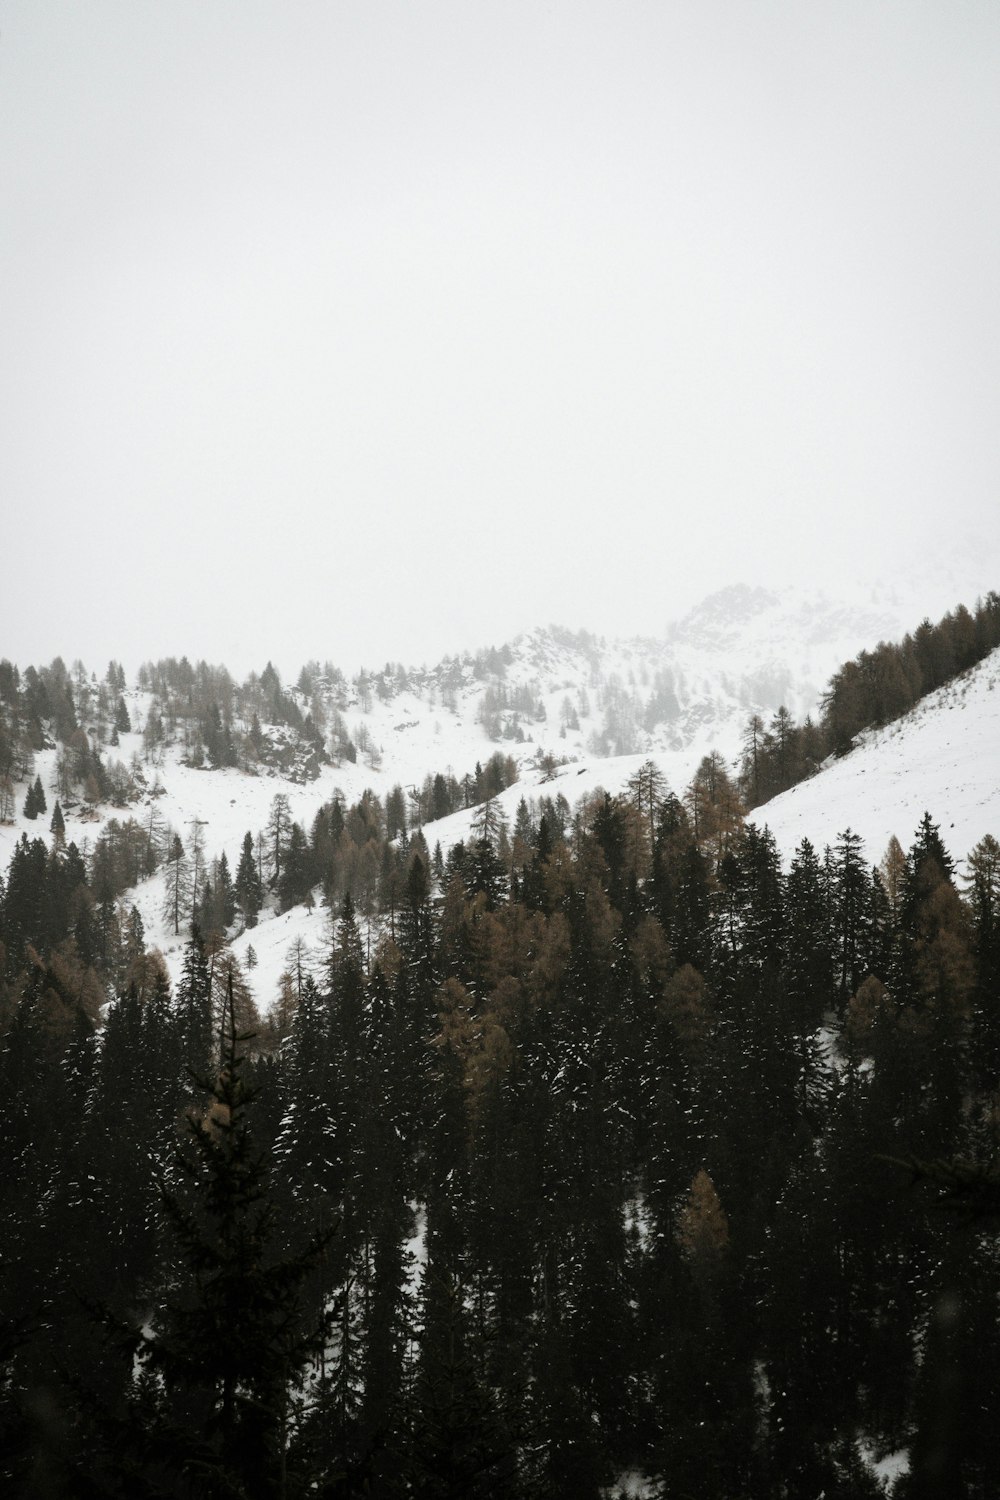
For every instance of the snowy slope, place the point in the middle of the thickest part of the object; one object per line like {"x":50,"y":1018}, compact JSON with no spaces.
{"x":942,"y":758}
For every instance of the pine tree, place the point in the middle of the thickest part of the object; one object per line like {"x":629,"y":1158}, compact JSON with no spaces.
{"x":849,"y":898}
{"x":31,"y":1095}
{"x":30,"y":810}
{"x":179,"y":885}
{"x":225,"y":1353}
{"x":224,"y":893}
{"x":296,"y":872}
{"x":691,"y":916}
{"x":807,"y":989}
{"x":137,"y":1078}
{"x":193,"y":1011}
{"x":924,"y":1038}
{"x":928,"y":845}
{"x":808,"y":969}
{"x":278,"y":823}
{"x":57,"y":827}
{"x":486,"y":872}
{"x":984,"y":908}
{"x":311,"y":1139}
{"x":247,"y":887}
{"x":23,"y":916}
{"x":348,"y":1032}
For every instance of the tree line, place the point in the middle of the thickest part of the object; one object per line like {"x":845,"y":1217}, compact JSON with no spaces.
{"x":875,"y":688}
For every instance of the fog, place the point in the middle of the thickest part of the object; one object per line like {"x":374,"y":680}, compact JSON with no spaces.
{"x":379,"y":331}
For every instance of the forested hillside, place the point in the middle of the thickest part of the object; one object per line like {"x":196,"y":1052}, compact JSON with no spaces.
{"x":596,"y":1147}
{"x":587,"y":1143}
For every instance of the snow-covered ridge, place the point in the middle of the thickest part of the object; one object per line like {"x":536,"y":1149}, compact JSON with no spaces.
{"x":741,"y":651}
{"x":942,"y":758}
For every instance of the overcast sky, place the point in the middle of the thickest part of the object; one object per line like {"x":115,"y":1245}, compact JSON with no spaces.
{"x":378,"y":330}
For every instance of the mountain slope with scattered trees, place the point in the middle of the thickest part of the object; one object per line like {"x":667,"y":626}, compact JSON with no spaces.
{"x":874,"y":689}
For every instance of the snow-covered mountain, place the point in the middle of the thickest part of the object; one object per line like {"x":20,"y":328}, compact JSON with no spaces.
{"x":741,"y":651}
{"x":574,"y":712}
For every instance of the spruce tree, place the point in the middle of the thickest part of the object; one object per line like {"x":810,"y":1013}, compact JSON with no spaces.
{"x":31,"y":808}
{"x":849,"y":899}
{"x":310,"y":1143}
{"x":193,"y":1012}
{"x":214,"y":1411}
{"x":57,"y":827}
{"x":296,"y":871}
{"x":247,"y":887}
{"x":225,"y":895}
{"x":984,"y":911}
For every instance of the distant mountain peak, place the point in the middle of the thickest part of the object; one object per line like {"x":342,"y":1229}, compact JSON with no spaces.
{"x":725,"y":611}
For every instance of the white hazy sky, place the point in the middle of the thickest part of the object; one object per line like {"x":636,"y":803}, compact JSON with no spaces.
{"x":368,"y":330}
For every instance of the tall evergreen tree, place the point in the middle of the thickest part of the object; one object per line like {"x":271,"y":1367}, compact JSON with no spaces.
{"x":984,"y":913}
{"x":58,"y":825}
{"x":227,"y":1349}
{"x":849,"y":899}
{"x":179,"y":885}
{"x":247,"y":886}
{"x":193,"y":1012}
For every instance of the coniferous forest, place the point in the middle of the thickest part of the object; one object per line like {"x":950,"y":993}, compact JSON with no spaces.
{"x":623,"y":1150}
{"x":559,"y":1061}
